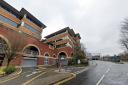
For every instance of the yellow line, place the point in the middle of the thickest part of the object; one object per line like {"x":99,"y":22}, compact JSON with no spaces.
{"x":29,"y":81}
{"x":65,"y":80}
{"x":20,"y":71}
{"x":11,"y":77}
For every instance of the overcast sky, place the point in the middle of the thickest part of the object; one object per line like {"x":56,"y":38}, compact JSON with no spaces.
{"x":97,"y":21}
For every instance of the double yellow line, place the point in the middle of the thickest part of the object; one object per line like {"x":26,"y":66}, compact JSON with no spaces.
{"x":9,"y":79}
{"x":12,"y":77}
{"x":65,"y":80}
{"x":29,"y":81}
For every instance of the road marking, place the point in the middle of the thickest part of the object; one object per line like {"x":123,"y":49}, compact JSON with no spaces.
{"x":29,"y":81}
{"x":107,"y":70}
{"x":32,"y":73}
{"x":98,"y":83}
{"x":78,"y":72}
{"x":9,"y":79}
{"x":20,"y":71}
{"x":65,"y":80}
{"x":100,"y":80}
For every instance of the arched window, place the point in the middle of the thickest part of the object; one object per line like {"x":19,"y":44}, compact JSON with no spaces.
{"x":62,"y":57}
{"x":46,"y":59}
{"x":30,"y":56}
{"x":54,"y":56}
{"x":31,"y":50}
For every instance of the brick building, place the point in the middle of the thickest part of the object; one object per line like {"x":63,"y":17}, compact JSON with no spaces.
{"x":63,"y":42}
{"x":35,"y":51}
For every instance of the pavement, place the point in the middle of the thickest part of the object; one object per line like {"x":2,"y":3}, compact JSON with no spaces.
{"x":10,"y":76}
{"x":50,"y":78}
{"x":78,"y":70}
{"x":26,"y":75}
{"x":32,"y":76}
{"x":53,"y":76}
{"x":105,"y":73}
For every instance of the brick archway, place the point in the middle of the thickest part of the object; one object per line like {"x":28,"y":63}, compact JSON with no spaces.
{"x":33,"y":46}
{"x":46,"y":53}
{"x":4,"y":43}
{"x":6,"y":40}
{"x":31,"y":53}
{"x":62,"y":52}
{"x":54,"y":56}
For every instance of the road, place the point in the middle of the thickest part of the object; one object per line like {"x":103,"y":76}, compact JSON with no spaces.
{"x":27,"y":74}
{"x":105,"y":73}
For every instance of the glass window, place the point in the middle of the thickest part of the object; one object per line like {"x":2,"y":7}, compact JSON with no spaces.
{"x":6,"y":20}
{"x":9,"y":11}
{"x":31,"y":28}
{"x":46,"y":59}
{"x":59,"y":40}
{"x":61,"y":45}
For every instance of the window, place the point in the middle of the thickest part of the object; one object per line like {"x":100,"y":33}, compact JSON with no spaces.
{"x":66,"y":37}
{"x":59,"y":40}
{"x":46,"y":59}
{"x":30,"y":19}
{"x":6,"y":20}
{"x":9,"y":11}
{"x":31,"y":28}
{"x":61,"y":45}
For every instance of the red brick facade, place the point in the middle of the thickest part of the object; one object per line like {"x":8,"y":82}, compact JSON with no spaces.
{"x":28,"y":26}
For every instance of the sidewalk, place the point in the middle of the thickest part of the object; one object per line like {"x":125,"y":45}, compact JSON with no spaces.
{"x":123,"y":62}
{"x":77,"y":70}
{"x":10,"y":76}
{"x":53,"y":76}
{"x":47,"y":76}
{"x":50,"y":78}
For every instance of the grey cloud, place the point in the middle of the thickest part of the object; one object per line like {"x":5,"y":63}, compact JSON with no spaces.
{"x":98,"y":21}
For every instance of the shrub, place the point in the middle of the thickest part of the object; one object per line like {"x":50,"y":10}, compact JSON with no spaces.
{"x":9,"y":70}
{"x":70,"y":62}
{"x":1,"y":71}
{"x":84,"y":62}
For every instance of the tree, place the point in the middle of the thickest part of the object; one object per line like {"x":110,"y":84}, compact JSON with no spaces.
{"x":124,"y":34}
{"x":17,"y":42}
{"x":124,"y":56}
{"x":79,"y":53}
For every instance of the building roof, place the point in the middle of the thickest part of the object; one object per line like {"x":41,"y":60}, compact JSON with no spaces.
{"x":9,"y":8}
{"x":70,"y":31}
{"x":56,"y":33}
{"x":32,"y":18}
{"x":77,"y":35}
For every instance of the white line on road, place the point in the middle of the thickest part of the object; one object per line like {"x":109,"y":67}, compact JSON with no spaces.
{"x":100,"y":80}
{"x":32,"y":74}
{"x":78,"y":72}
{"x":107,"y":70}
{"x":98,"y":83}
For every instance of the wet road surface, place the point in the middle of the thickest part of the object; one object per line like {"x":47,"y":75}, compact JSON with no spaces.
{"x":105,"y":73}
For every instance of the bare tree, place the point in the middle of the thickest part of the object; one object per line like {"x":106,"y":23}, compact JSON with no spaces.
{"x":17,"y":43}
{"x":79,"y":53}
{"x":124,"y":34}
